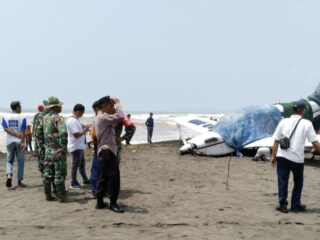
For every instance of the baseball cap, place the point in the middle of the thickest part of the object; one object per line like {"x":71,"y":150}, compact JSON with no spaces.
{"x":299,"y":104}
{"x":40,"y":107}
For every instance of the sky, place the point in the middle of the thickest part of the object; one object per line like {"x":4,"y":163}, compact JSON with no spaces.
{"x":205,"y":56}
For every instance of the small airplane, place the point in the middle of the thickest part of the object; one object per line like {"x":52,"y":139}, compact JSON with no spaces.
{"x":250,"y":127}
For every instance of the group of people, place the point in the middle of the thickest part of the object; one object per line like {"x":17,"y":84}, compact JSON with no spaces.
{"x":54,"y":137}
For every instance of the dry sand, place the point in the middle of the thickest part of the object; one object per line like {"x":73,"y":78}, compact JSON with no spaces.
{"x":166,"y":196}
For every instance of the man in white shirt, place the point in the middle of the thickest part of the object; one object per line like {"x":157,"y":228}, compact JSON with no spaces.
{"x":76,"y":145}
{"x":15,"y":125}
{"x":292,"y":159}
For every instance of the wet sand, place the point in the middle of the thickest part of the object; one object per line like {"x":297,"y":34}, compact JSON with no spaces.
{"x":166,"y":196}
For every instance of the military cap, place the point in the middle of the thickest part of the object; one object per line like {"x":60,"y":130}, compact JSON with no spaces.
{"x":53,"y":102}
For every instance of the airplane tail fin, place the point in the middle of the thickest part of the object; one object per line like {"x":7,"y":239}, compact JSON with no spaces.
{"x":315,"y":96}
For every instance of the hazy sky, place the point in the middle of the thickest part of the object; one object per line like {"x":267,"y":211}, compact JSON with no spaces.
{"x":159,"y":55}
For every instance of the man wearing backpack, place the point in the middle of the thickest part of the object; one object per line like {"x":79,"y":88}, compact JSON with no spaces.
{"x":292,"y":159}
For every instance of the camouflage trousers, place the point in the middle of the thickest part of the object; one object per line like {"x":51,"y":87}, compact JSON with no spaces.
{"x":36,"y":146}
{"x":40,"y":156}
{"x":129,"y":131}
{"x":40,"y":164}
{"x":39,"y":151}
{"x":55,"y":170}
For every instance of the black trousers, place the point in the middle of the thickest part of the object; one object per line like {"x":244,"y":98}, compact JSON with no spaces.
{"x":109,"y":179}
{"x":284,"y":166}
{"x":150,"y":133}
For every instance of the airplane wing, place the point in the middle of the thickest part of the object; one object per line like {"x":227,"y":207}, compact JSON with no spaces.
{"x":197,"y":124}
{"x":268,"y":142}
{"x":264,"y":142}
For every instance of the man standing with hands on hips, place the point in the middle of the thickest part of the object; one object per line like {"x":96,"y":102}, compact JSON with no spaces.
{"x":292,"y":158}
{"x":110,"y":114}
{"x":15,"y":125}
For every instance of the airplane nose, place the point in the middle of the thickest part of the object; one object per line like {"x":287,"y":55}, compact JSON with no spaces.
{"x":185,"y":149}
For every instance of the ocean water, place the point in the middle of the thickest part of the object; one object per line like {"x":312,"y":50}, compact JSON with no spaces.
{"x":165,"y":126}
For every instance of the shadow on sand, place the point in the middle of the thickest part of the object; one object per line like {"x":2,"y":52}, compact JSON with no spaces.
{"x":31,"y":186}
{"x":127,"y":193}
{"x":312,"y":162}
{"x":78,"y":197}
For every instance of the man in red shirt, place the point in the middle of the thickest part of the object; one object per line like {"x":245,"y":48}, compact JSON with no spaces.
{"x":130,"y":129}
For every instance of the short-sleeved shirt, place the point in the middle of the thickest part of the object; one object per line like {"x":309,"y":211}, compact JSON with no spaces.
{"x":15,"y":122}
{"x":304,"y":131}
{"x":74,"y":126}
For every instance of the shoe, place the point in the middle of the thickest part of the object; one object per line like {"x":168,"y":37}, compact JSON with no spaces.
{"x":20,"y":184}
{"x":61,"y":192}
{"x":47,"y":191}
{"x":50,"y":198}
{"x":75,"y":186}
{"x":101,"y":204}
{"x":282,"y":208}
{"x":86,"y":182}
{"x":116,"y":208}
{"x":299,"y":208}
{"x":9,"y":183}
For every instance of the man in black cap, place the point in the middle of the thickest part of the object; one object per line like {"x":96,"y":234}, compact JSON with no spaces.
{"x":111,"y":113}
{"x":292,"y":158}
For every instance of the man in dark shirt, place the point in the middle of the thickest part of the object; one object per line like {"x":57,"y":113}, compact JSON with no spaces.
{"x":150,"y":124}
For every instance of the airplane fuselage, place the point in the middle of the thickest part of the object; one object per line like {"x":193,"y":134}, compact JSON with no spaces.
{"x":212,"y":144}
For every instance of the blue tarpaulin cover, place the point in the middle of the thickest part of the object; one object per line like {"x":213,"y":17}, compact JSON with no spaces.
{"x":247,"y":125}
{"x":315,"y":96}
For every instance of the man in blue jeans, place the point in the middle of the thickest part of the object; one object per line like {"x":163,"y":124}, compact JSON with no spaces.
{"x":95,"y":165}
{"x":15,"y":125}
{"x":292,"y":159}
{"x":76,"y":145}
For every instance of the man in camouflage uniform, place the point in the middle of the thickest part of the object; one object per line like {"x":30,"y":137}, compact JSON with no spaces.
{"x":38,"y":137}
{"x":39,"y":140}
{"x":55,"y":142}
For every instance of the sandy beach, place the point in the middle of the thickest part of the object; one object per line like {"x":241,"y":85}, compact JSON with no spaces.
{"x":166,"y":196}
